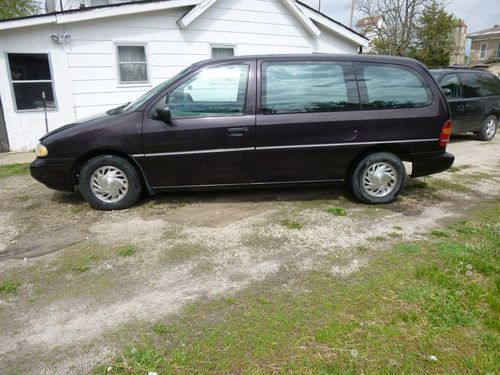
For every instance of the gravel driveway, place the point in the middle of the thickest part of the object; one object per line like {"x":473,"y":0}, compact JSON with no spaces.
{"x":78,"y":282}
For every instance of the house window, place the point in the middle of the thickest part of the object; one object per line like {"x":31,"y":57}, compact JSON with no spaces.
{"x":222,"y":52}
{"x":96,"y":3}
{"x":132,"y":63}
{"x":482,"y":52}
{"x":31,"y":80}
{"x":498,"y":50}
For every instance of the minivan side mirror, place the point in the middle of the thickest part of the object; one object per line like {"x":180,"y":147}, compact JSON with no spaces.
{"x":447,"y":92}
{"x":164,"y":114}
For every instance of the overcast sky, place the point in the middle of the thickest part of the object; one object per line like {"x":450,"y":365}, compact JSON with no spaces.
{"x":477,"y":14}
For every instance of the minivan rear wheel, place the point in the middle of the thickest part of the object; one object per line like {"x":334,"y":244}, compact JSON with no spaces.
{"x":378,"y":178}
{"x":109,"y":182}
{"x":489,"y":129}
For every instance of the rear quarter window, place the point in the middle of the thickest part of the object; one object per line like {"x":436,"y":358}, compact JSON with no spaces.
{"x":391,"y":86}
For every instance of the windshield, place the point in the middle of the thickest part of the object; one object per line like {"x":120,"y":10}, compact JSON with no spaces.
{"x":136,"y":104}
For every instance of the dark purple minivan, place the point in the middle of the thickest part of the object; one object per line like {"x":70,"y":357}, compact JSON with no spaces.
{"x":259,"y":121}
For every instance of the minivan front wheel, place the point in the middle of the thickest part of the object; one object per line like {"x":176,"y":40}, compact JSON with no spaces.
{"x":378,"y":178}
{"x":109,"y":182}
{"x":489,"y":129}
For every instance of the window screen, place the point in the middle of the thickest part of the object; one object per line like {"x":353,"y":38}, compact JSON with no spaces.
{"x":221,"y":52}
{"x":132,"y":63}
{"x":217,"y":91}
{"x":388,"y":86}
{"x":300,"y":87}
{"x":31,"y":79}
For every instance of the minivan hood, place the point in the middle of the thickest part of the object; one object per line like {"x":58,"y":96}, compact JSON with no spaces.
{"x":83,"y":121}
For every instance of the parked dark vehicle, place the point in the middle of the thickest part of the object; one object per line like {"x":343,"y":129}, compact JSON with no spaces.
{"x":259,"y":121}
{"x":474,"y":98}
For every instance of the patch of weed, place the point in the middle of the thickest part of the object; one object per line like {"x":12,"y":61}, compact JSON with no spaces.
{"x":440,"y":233}
{"x":337,"y":211}
{"x":14,"y":169}
{"x":291,"y":224}
{"x":458,"y":168}
{"x":125,"y":251}
{"x":9,"y":286}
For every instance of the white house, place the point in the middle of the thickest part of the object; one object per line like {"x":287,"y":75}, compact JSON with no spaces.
{"x":90,"y":59}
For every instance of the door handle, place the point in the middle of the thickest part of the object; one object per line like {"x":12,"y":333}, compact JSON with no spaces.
{"x":237,"y":132}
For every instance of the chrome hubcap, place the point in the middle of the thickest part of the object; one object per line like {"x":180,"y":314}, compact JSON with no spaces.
{"x":379,"y":179}
{"x":491,"y":127}
{"x":109,"y":184}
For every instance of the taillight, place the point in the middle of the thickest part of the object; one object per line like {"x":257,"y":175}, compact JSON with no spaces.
{"x":444,"y":137}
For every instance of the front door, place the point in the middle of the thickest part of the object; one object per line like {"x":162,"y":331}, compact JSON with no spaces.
{"x":453,"y":90}
{"x":210,"y":138}
{"x":474,"y":103}
{"x":4,"y":141}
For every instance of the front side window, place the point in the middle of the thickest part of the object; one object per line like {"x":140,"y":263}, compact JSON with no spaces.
{"x":132,"y":63}
{"x":31,"y":80}
{"x":301,"y":87}
{"x":482,"y":52}
{"x":213,"y":92}
{"x":390,"y":86}
{"x":451,"y":84}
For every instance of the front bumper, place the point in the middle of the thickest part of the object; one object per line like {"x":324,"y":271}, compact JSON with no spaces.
{"x":53,"y":173}
{"x":428,"y":163}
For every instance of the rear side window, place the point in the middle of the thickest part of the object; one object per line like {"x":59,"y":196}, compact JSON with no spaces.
{"x":471,"y":85}
{"x":452,"y":83}
{"x":300,"y":87}
{"x":490,"y":85}
{"x":389,"y":86}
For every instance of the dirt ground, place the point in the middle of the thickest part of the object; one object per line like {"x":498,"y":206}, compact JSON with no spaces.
{"x":76,"y":291}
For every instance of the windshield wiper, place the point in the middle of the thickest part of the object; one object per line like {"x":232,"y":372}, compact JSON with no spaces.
{"x":117,"y":110}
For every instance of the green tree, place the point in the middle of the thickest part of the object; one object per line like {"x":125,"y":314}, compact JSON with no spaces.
{"x":18,"y":8}
{"x":434,"y":35}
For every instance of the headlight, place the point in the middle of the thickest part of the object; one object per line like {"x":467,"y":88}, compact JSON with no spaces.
{"x":41,"y":151}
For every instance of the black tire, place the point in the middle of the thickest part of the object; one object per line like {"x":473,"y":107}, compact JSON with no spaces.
{"x":357,"y":179}
{"x":486,"y":134}
{"x":129,"y":177}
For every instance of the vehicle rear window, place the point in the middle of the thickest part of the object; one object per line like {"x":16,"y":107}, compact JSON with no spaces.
{"x":389,"y":86}
{"x":298,"y":87}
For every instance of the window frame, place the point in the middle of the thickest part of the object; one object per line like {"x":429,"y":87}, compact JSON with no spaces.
{"x":261,"y":84}
{"x":146,"y":61}
{"x":12,"y":82}
{"x":222,"y":46}
{"x":194,"y":73}
{"x":481,"y":51}
{"x":363,"y":90}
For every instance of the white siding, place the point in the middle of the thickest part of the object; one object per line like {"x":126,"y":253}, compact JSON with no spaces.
{"x":85,"y":70}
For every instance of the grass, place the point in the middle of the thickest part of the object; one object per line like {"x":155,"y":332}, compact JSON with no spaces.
{"x":125,"y":251}
{"x":14,"y":169}
{"x":430,"y":307}
{"x":459,"y":168}
{"x":337,"y":211}
{"x":291,"y":224}
{"x":9,"y":286}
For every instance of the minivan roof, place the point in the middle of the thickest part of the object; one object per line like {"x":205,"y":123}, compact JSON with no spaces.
{"x":440,"y":72}
{"x":321,"y":56}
